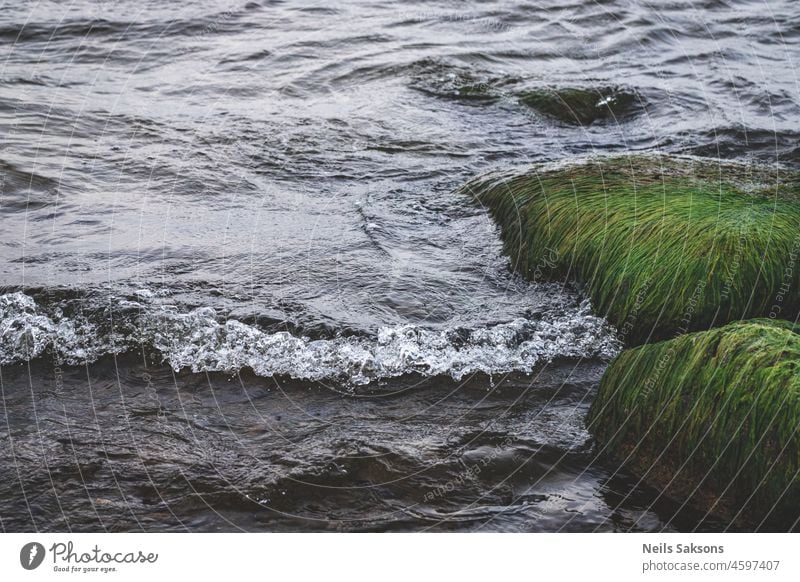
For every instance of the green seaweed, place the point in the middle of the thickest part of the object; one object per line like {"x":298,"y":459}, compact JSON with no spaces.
{"x":662,"y":245}
{"x":713,"y":415}
{"x":583,"y":106}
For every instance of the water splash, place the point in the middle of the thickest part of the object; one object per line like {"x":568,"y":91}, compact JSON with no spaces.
{"x":198,"y":340}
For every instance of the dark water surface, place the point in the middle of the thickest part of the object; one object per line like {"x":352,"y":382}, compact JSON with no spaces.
{"x":240,"y":290}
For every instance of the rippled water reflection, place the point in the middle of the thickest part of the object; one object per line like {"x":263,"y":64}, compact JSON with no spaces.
{"x":262,"y":189}
{"x":194,"y":452}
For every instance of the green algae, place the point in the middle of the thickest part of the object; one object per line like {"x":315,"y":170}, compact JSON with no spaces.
{"x":662,"y":245}
{"x":713,"y":417}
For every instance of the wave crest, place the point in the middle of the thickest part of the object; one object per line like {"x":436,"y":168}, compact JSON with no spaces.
{"x":197,"y":340}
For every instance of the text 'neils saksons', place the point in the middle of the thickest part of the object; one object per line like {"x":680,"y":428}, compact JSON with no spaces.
{"x":664,"y":548}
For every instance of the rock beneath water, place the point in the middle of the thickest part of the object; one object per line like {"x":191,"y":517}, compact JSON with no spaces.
{"x":711,"y":417}
{"x":662,"y":245}
{"x":447,"y":81}
{"x":576,"y":106}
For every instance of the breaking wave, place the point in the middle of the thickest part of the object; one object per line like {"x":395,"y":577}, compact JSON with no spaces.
{"x":201,"y":341}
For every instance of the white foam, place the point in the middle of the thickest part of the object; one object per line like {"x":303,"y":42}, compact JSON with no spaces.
{"x":199,"y":341}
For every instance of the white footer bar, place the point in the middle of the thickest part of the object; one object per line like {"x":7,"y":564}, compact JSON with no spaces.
{"x":379,"y":557}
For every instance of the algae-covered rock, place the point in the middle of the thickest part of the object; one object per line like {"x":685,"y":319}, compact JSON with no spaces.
{"x":662,"y":245}
{"x":583,"y":106}
{"x":713,"y":417}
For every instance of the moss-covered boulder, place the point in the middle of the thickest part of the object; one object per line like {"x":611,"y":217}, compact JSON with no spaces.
{"x":584,"y":106}
{"x":712,"y":417}
{"x":662,"y":245}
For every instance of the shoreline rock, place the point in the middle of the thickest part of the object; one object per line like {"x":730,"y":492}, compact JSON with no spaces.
{"x":670,"y":249}
{"x":662,"y":245}
{"x":711,"y":417}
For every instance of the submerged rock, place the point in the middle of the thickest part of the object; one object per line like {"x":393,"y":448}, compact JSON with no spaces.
{"x":447,"y":81}
{"x":584,"y":106}
{"x":662,"y":245}
{"x":711,"y":417}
